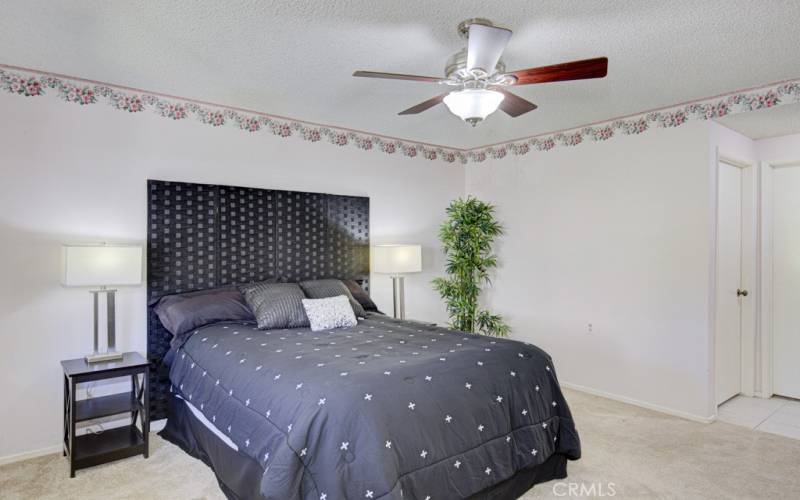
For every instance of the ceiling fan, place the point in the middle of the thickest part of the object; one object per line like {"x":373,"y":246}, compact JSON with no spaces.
{"x":480,"y":78}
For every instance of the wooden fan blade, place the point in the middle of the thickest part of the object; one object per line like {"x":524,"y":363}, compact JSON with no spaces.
{"x":576,"y":70}
{"x":419,"y":108}
{"x":396,"y":76}
{"x":513,"y":104}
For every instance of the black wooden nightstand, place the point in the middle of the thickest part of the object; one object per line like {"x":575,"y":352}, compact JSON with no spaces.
{"x":111,"y":444}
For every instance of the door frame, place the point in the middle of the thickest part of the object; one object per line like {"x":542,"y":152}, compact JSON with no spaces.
{"x":764,"y":356}
{"x":750,"y":273}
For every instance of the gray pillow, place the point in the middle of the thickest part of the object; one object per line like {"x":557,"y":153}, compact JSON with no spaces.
{"x":276,"y":305}
{"x":182,"y":312}
{"x":322,"y":289}
{"x":333,"y":312}
{"x":360,"y":295}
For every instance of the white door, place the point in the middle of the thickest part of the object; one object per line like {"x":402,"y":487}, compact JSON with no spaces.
{"x":729,"y":284}
{"x":786,"y":282}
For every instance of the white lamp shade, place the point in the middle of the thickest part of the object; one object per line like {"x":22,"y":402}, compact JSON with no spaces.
{"x":473,"y":104}
{"x":101,"y":265}
{"x":397,"y":259}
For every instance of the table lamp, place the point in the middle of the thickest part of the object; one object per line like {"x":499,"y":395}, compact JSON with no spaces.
{"x":102,"y":266}
{"x":397,"y":261}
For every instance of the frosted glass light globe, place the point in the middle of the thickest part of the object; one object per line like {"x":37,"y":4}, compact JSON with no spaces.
{"x":473,"y":105}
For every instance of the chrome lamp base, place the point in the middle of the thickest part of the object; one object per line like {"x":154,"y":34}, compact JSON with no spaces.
{"x":100,"y":357}
{"x":399,"y":296}
{"x":111,"y":353}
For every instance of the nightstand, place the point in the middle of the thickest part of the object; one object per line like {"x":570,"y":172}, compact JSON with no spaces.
{"x":90,"y":449}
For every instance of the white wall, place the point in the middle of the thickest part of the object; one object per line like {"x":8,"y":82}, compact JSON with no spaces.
{"x":731,"y":144}
{"x":779,"y":149}
{"x":72,"y":174}
{"x":616,"y":234}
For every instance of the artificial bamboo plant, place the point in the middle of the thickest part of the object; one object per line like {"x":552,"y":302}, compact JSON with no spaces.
{"x":467,"y":236}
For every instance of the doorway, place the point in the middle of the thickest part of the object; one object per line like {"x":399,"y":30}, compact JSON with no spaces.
{"x":786,"y":280}
{"x":735,"y":269}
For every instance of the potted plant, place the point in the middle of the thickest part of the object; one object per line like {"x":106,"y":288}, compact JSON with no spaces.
{"x":467,"y":236}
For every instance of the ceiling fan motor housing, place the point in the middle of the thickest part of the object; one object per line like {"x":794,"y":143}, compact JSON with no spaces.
{"x":455,"y":69}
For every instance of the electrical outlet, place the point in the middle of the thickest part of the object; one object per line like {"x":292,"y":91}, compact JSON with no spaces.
{"x":589,"y":328}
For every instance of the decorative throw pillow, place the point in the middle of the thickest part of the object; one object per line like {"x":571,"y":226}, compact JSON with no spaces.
{"x":322,"y":289}
{"x":361,"y":296}
{"x":182,"y":312}
{"x":331,"y":312}
{"x":276,"y":305}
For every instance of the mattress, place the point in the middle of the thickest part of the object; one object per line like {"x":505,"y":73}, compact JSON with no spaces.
{"x":386,"y":409}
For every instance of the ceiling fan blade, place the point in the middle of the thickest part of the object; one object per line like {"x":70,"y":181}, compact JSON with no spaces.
{"x":396,"y":76}
{"x":576,"y":70}
{"x":419,"y":108}
{"x":514,"y":105}
{"x":485,"y":46}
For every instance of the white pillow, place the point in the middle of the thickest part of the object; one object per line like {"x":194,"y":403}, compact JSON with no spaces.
{"x":330,"y":312}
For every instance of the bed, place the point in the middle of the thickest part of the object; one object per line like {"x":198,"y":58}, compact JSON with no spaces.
{"x":385,"y":409}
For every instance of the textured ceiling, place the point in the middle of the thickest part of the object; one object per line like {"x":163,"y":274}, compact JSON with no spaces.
{"x":295,"y":58}
{"x":765,"y":123}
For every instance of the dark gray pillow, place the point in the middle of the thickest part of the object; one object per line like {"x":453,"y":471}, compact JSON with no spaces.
{"x":321,"y":289}
{"x":182,"y":312}
{"x":361,"y":296}
{"x":276,"y":305}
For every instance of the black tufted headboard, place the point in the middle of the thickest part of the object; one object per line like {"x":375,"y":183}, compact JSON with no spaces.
{"x":202,"y":236}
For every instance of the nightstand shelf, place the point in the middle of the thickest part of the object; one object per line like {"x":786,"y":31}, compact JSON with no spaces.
{"x":106,"y":406}
{"x":111,"y":444}
{"x":91,"y":448}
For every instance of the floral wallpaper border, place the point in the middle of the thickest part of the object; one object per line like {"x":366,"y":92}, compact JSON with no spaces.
{"x":29,"y":83}
{"x":768,"y":96}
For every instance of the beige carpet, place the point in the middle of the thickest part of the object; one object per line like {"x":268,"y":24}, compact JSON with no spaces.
{"x":644,"y":454}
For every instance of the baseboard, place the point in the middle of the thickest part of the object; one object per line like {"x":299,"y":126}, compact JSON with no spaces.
{"x":641,"y":404}
{"x":155,"y":426}
{"x":19,"y":457}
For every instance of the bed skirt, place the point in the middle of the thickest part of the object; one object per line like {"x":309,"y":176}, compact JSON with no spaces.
{"x":239,"y":476}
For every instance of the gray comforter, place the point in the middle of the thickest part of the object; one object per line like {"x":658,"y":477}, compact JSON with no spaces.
{"x":386,"y":409}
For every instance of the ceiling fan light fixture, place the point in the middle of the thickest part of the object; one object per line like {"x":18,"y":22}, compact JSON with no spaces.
{"x":478,"y":76}
{"x":473,"y":105}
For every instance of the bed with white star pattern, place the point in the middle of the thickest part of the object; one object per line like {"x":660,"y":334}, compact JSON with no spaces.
{"x":386,"y":409}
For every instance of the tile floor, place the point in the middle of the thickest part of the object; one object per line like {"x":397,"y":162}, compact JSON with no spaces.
{"x":776,"y":415}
